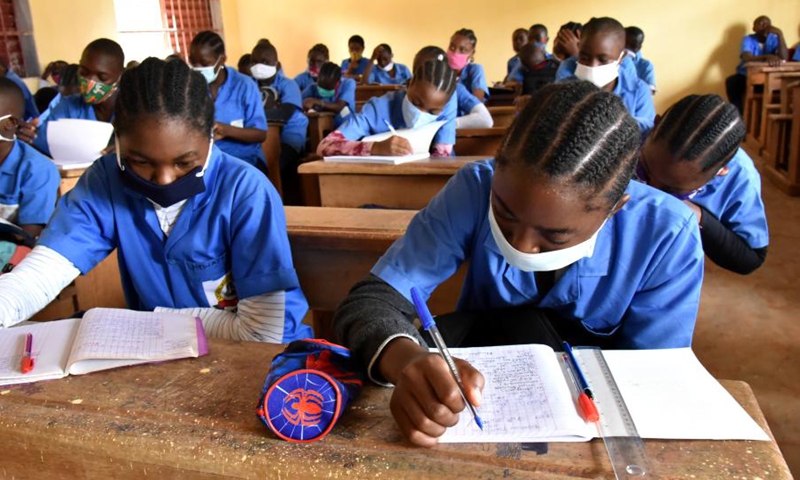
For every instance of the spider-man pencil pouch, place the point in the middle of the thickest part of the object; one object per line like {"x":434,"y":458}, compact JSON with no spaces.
{"x":308,"y":387}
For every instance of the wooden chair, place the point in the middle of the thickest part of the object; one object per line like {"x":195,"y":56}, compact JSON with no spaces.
{"x":786,"y":176}
{"x":502,"y":116}
{"x":320,"y":124}
{"x":779,"y":125}
{"x":754,"y":97}
{"x":272,"y":151}
{"x":479,"y":141}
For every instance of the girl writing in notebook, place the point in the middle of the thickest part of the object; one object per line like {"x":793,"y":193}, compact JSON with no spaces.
{"x":553,"y":222}
{"x":196,"y":230}
{"x":694,"y":155}
{"x":426,"y":100}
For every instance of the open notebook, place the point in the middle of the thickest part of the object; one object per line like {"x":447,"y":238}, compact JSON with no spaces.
{"x":419,"y":138}
{"x":77,"y":143}
{"x":103,"y":339}
{"x":669,"y":394}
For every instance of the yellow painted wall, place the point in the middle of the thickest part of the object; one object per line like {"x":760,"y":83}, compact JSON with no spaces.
{"x":693,"y":44}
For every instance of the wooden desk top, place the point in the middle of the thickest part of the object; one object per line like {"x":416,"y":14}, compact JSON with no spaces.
{"x":480,"y":132}
{"x":434,"y":166}
{"x":195,"y":419}
{"x":354,"y":228}
{"x":315,"y":113}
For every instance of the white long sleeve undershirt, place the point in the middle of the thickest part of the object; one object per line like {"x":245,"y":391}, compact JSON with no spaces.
{"x":478,"y":117}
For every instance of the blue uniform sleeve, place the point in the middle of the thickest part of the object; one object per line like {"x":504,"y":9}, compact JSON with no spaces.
{"x":650,"y":74}
{"x":447,"y":134}
{"x":772,"y":44}
{"x":31,"y":111}
{"x":645,"y":114}
{"x":403,"y":74}
{"x":373,"y":75}
{"x":517,"y":74}
{"x":254,"y":116}
{"x":347,"y":93}
{"x":749,"y":45}
{"x":796,"y":57}
{"x":359,"y":125}
{"x":309,"y":92}
{"x":345,"y":64}
{"x":663,"y":311}
{"x":438,"y":239}
{"x":39,"y":193}
{"x":478,"y":80}
{"x":291,"y":93}
{"x":466,"y":100}
{"x":82,"y":227}
{"x":566,"y":69}
{"x":744,"y":211}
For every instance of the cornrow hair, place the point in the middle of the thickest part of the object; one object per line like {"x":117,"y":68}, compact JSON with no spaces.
{"x":469,"y":34}
{"x":429,"y":53}
{"x":319,"y":48}
{"x":164,"y":89}
{"x":701,"y":128}
{"x":330,"y":70}
{"x":439,"y":74}
{"x":209,"y":39}
{"x":577,"y":133}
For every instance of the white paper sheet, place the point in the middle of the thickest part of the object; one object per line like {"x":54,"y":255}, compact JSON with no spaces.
{"x":419,"y":138}
{"x":51,"y":345}
{"x":76,"y":143}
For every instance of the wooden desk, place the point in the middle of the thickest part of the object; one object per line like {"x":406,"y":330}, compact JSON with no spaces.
{"x":272,"y":152}
{"x":479,"y":141}
{"x":757,"y":73}
{"x":366,"y":92}
{"x":320,"y":124}
{"x":195,"y":419}
{"x":786,"y":175}
{"x":406,"y":186}
{"x":503,"y":116}
{"x":333,"y":248}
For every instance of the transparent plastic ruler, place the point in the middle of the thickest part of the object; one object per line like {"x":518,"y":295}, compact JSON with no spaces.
{"x":624,"y":445}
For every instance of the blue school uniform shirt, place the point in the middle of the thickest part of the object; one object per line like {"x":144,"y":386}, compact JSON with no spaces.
{"x":362,"y":65}
{"x":401,"y":77}
{"x":474,"y":78}
{"x":304,"y":80}
{"x":644,"y":69}
{"x":238,"y":103}
{"x":370,"y":120}
{"x":346,"y":92}
{"x":73,"y":107}
{"x":512,"y":64}
{"x":634,"y":92}
{"x":750,"y":45}
{"x":295,"y":130}
{"x":466,"y":100}
{"x":28,"y":186}
{"x":642,"y":282}
{"x":30,"y":105}
{"x":233,"y":232}
{"x":735,"y":200}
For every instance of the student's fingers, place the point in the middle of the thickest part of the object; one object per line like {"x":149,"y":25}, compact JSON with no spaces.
{"x":401,"y":146}
{"x":473,"y":381}
{"x":418,"y":415}
{"x":408,"y":429}
{"x":27,"y":131}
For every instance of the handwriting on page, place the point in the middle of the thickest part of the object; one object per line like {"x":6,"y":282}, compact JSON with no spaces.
{"x":105,"y":338}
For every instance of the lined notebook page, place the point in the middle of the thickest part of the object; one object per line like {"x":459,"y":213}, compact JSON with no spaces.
{"x":526,"y":398}
{"x":51,"y":345}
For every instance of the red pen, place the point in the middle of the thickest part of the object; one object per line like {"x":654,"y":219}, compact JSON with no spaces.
{"x":27,"y":354}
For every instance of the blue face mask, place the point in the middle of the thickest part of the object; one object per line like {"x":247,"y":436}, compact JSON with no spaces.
{"x":209,"y":73}
{"x":414,"y":117}
{"x":187,"y":186}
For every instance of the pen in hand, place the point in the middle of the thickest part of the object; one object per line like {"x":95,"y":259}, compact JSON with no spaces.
{"x":430,"y":326}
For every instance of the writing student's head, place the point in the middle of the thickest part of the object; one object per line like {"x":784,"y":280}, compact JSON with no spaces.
{"x":317,"y":55}
{"x":691,"y":144}
{"x":265,"y":64}
{"x":532,"y":56}
{"x":329,"y":77}
{"x":163,"y":122}
{"x":601,"y":50}
{"x":562,"y":170}
{"x":355,"y":45}
{"x":761,"y":27}
{"x":634,"y":38}
{"x":537,"y":34}
{"x":101,"y":66}
{"x":429,"y":90}
{"x":519,"y":39}
{"x":12,"y":109}
{"x":462,"y":49}
{"x":207,"y":54}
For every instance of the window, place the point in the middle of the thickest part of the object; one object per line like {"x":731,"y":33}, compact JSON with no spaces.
{"x":159,"y":28}
{"x":16,"y":38}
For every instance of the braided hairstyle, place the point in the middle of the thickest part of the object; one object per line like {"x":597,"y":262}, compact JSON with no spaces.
{"x":701,"y":128}
{"x":429,"y":53}
{"x":209,"y":39}
{"x":576,"y":133}
{"x":438,"y":73}
{"x":329,"y":73}
{"x":164,"y":89}
{"x":469,"y":34}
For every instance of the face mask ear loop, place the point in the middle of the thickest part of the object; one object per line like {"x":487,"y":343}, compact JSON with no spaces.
{"x":119,"y":155}
{"x":208,"y":158}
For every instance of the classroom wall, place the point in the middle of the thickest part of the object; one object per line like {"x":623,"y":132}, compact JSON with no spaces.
{"x":693,"y":44}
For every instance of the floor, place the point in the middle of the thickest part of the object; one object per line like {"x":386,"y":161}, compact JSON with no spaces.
{"x":749,"y":326}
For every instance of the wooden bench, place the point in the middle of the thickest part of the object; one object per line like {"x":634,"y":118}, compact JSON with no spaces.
{"x":405,"y":186}
{"x":757,"y":73}
{"x":779,"y":126}
{"x":333,"y":248}
{"x":479,"y":141}
{"x":771,"y":102}
{"x":502,"y":116}
{"x":195,"y":419}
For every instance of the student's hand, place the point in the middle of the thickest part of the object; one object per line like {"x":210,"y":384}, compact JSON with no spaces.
{"x":310,"y":103}
{"x":27,"y":131}
{"x":376,"y":53}
{"x":426,"y":399}
{"x":569,"y":41}
{"x":774,"y":61}
{"x":393,"y":146}
{"x":220,"y":130}
{"x":773,"y":29}
{"x":698,"y":212}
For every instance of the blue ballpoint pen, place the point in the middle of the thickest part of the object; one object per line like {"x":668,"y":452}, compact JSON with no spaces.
{"x":430,"y":326}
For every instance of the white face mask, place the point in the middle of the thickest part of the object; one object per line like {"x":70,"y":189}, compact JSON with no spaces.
{"x":209,"y":73}
{"x":414,"y":117}
{"x":389,"y":66}
{"x":540,"y":262}
{"x":600,"y":76}
{"x":261,"y":71}
{"x":2,"y":138}
{"x":628,"y":53}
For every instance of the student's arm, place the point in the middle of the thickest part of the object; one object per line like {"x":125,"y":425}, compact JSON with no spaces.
{"x":783,"y":52}
{"x":39,"y":191}
{"x":749,"y":49}
{"x":366,"y":76}
{"x":479,"y":87}
{"x":645,"y":114}
{"x":479,"y":117}
{"x":727,"y":249}
{"x":445,"y":138}
{"x":346,"y":139}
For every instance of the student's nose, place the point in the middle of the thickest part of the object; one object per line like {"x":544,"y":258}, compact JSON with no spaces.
{"x":524,"y":240}
{"x":163,"y":176}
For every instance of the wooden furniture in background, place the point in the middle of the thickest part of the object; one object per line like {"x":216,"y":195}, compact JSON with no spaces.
{"x":272,"y":151}
{"x":479,"y":141}
{"x":787,"y":175}
{"x":365,"y":92}
{"x":757,"y":73}
{"x":779,"y":126}
{"x":320,"y":124}
{"x":502,"y":116}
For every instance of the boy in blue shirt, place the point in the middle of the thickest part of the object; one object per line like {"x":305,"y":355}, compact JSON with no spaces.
{"x":765,"y":44}
{"x":387,"y":72}
{"x":518,"y":40}
{"x":332,"y":93}
{"x":634,"y":38}
{"x":355,"y":66}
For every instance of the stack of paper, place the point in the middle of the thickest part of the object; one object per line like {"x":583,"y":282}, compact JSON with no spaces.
{"x":75,"y":143}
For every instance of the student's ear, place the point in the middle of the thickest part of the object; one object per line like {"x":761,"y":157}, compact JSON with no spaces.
{"x":278,"y":65}
{"x":223,"y":59}
{"x":723,"y":171}
{"x":621,"y":203}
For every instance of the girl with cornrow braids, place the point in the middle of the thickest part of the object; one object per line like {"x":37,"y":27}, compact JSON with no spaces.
{"x":553,"y":223}
{"x":694,"y":155}
{"x":196,"y":230}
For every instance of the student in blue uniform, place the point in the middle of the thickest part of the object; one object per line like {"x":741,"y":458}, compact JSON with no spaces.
{"x":693,"y":154}
{"x":287,"y":106}
{"x":539,"y":37}
{"x":240,"y":126}
{"x":99,"y":71}
{"x":316,"y":57}
{"x":634,"y":38}
{"x":765,"y":44}
{"x":31,"y":111}
{"x":355,"y":65}
{"x":461,"y":57}
{"x":196,"y":230}
{"x":387,"y":72}
{"x":601,"y":60}
{"x":28,"y":180}
{"x":533,"y":60}
{"x":427,"y":99}
{"x":796,"y":57}
{"x":332,"y":93}
{"x":554,"y":222}
{"x":518,"y":40}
